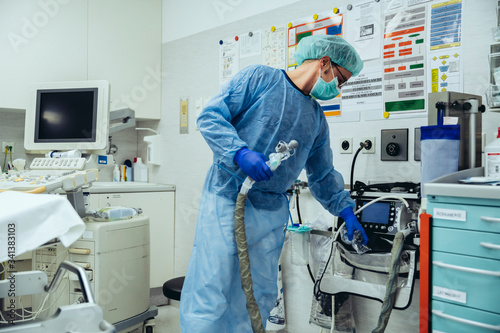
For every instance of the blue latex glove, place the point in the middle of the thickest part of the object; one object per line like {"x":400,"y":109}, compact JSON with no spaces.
{"x":253,"y":164}
{"x":352,"y":224}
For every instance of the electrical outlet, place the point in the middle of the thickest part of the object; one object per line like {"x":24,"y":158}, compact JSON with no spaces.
{"x":345,"y":145}
{"x":7,"y":144}
{"x":372,"y":148}
{"x":394,"y":145}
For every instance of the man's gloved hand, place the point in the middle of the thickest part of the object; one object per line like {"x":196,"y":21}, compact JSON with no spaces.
{"x":253,"y":164}
{"x":352,"y":224}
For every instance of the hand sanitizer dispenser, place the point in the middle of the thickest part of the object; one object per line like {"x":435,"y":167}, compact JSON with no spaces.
{"x":154,"y":146}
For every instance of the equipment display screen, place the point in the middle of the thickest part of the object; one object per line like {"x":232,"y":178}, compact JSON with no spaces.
{"x":377,"y":212}
{"x":66,"y":115}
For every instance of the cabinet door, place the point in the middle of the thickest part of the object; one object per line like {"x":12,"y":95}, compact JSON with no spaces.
{"x":125,"y":49}
{"x":40,"y":41}
{"x":159,"y":206}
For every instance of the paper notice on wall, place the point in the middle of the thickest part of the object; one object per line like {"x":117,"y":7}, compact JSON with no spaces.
{"x":274,"y":47}
{"x":364,"y":29}
{"x":446,"y":24}
{"x":445,"y":69}
{"x":228,"y":60}
{"x":404,"y":55}
{"x":364,"y":93}
{"x":250,"y":44}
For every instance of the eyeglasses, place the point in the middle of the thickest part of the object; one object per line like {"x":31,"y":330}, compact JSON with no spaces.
{"x":344,"y":81}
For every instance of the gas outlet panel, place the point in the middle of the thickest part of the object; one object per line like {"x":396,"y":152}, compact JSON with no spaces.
{"x":394,"y":145}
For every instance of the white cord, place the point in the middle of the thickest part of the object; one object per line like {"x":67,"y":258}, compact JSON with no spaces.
{"x":65,"y":253}
{"x":147,"y":129}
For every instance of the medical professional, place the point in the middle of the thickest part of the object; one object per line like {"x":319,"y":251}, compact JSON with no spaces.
{"x":242,"y":124}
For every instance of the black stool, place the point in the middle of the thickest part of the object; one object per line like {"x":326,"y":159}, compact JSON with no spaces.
{"x":173,"y":287}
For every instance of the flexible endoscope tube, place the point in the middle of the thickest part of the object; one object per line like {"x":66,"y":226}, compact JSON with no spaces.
{"x":243,"y":256}
{"x":283,"y":152}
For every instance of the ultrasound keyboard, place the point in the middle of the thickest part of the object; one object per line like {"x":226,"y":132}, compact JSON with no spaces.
{"x":47,"y":175}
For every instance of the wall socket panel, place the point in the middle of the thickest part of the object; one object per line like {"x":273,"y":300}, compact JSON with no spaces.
{"x":7,"y":144}
{"x":372,"y":149}
{"x":345,"y":145}
{"x":394,"y":145}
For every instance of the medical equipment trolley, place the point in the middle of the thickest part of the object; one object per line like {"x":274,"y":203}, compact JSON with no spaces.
{"x":464,"y":254}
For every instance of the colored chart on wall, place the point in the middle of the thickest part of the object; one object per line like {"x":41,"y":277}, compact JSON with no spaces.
{"x":445,"y":70}
{"x":446,"y":25}
{"x":404,"y":54}
{"x":320,"y":24}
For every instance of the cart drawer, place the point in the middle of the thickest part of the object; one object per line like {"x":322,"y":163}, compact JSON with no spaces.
{"x":467,"y":281}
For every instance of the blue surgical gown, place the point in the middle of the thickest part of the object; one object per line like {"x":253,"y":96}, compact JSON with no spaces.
{"x":259,"y":107}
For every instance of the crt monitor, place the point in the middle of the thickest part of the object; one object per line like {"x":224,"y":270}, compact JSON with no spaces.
{"x":67,"y":115}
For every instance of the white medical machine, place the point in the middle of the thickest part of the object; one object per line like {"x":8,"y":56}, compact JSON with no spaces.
{"x":30,"y":221}
{"x":110,"y":258}
{"x":115,"y":256}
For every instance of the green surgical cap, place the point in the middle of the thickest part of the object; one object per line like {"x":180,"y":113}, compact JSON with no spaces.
{"x":340,"y":52}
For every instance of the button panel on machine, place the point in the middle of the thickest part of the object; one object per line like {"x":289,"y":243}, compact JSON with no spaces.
{"x":49,"y":174}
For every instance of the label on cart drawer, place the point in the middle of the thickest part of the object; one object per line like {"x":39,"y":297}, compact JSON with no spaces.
{"x":449,"y":294}
{"x":436,"y":331}
{"x":449,"y":214}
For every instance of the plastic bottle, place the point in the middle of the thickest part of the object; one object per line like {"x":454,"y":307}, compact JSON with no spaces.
{"x":492,"y":151}
{"x":116,"y":174}
{"x":140,"y":171}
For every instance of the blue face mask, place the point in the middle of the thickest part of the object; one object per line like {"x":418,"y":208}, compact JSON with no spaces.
{"x":325,"y":90}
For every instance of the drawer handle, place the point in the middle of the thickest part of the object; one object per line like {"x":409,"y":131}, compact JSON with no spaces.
{"x":466,"y":269}
{"x":465,"y":321}
{"x":490,"y":219}
{"x":490,"y":246}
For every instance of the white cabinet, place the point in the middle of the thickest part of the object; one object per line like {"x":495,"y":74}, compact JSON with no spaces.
{"x":124,"y":47}
{"x":159,"y":207}
{"x":114,"y":40}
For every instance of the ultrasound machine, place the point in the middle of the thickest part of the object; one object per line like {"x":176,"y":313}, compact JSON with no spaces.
{"x":63,"y":117}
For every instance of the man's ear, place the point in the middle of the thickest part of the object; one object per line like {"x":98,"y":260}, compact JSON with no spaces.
{"x":325,"y":60}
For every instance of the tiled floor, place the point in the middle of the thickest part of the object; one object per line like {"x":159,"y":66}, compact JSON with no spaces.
{"x":167,"y":320}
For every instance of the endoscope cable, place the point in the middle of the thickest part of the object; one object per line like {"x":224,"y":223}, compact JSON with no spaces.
{"x":283,"y":152}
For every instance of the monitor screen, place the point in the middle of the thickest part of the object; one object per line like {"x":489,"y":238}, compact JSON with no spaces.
{"x":68,"y":115}
{"x":377,"y":212}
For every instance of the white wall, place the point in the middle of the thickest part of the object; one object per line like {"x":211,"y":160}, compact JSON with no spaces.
{"x":185,"y":18}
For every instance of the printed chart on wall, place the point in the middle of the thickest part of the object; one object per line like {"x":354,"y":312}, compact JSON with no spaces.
{"x":445,"y":50}
{"x":404,"y":57}
{"x":274,"y":47}
{"x":228,"y":59}
{"x":363,"y":93}
{"x":320,"y":24}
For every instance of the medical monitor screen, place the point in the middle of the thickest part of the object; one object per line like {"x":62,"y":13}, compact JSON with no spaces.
{"x":377,"y":212}
{"x":66,"y":115}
